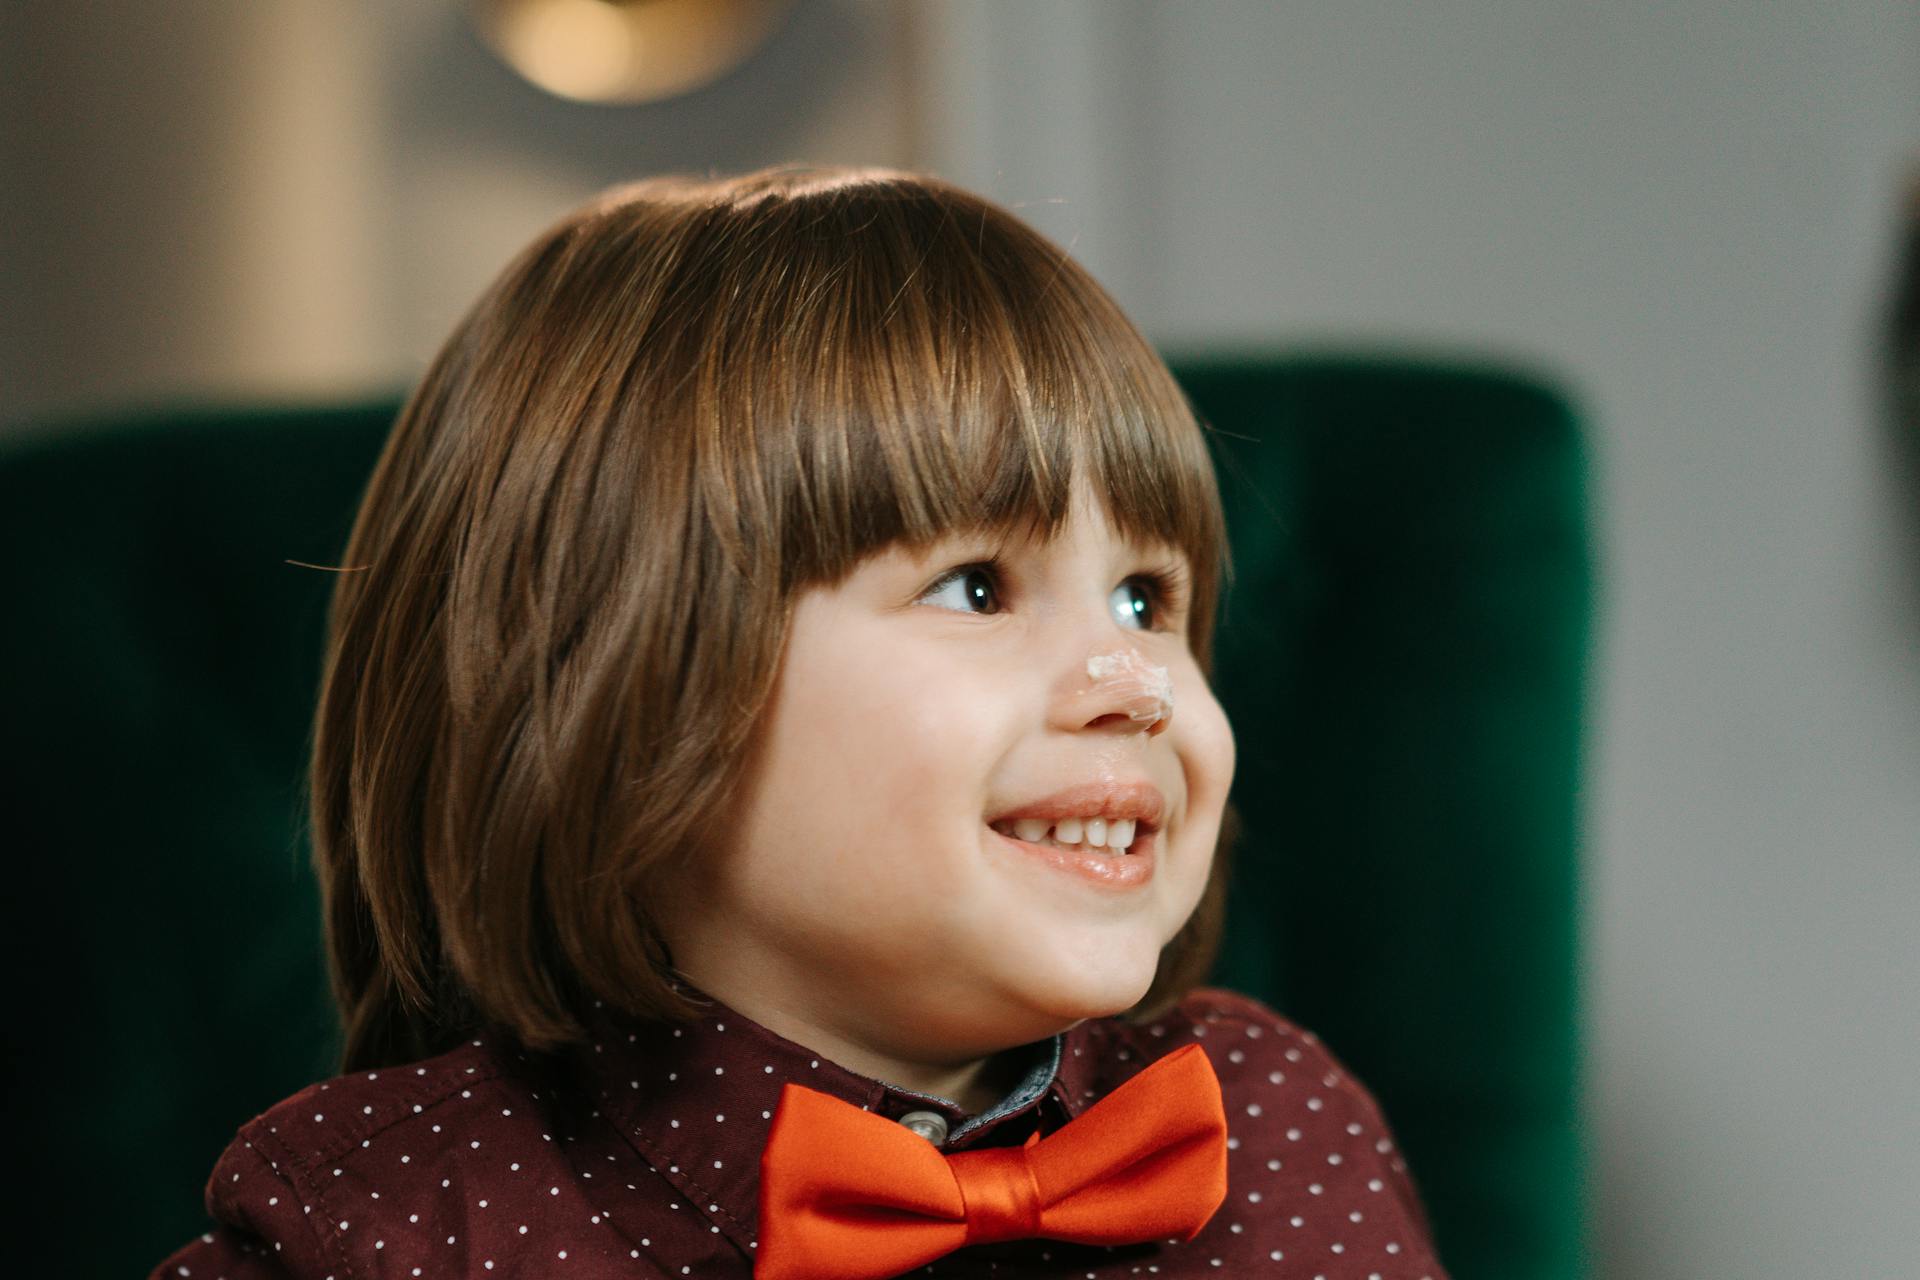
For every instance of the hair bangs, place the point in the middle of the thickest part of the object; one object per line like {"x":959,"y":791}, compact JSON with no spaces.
{"x":960,"y":372}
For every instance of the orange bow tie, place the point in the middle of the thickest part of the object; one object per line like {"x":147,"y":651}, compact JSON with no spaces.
{"x":849,"y":1195}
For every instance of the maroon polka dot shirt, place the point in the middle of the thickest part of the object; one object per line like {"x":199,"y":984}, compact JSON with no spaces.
{"x":640,"y":1157}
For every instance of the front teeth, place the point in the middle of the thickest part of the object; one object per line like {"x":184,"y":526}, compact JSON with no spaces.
{"x":1098,"y":833}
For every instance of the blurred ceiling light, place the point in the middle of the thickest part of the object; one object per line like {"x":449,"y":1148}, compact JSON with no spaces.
{"x":625,"y":51}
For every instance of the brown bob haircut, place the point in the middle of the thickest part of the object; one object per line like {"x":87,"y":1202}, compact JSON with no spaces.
{"x":568,"y":584}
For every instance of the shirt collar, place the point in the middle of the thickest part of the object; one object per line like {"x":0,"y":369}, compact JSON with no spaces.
{"x":697,"y":1099}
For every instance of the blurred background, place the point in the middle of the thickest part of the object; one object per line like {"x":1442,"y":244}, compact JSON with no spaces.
{"x":1693,"y":215}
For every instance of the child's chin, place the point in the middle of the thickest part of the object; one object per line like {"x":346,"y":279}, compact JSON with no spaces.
{"x":1083,"y":993}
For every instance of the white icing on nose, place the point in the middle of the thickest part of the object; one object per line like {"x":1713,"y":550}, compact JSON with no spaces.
{"x":1146,"y":688}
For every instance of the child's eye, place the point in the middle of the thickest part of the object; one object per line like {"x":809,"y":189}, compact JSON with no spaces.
{"x":970,"y":588}
{"x":1152,"y":601}
{"x":1144,"y":602}
{"x":1134,"y":604}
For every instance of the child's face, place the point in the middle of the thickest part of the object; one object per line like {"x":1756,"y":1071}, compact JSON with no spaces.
{"x":862,"y":888}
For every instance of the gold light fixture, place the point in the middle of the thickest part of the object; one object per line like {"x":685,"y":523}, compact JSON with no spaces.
{"x":625,"y":51}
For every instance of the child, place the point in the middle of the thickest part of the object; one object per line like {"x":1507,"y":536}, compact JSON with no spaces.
{"x":766,"y":789}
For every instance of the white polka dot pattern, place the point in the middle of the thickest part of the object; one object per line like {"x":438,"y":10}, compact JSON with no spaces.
{"x":639,"y":1157}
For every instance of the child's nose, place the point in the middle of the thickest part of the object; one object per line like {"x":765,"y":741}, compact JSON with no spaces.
{"x":1125,"y":690}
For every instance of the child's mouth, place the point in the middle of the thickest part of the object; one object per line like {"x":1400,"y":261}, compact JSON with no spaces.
{"x":1110,"y":867}
{"x":1112,"y":837}
{"x":1106,"y":832}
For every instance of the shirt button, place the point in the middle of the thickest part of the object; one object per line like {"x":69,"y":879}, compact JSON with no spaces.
{"x":930,"y":1125}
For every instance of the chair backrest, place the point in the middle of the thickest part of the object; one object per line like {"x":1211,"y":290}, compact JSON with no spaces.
{"x":1402,"y":656}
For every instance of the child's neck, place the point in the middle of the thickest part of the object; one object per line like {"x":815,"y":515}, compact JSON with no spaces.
{"x":974,"y":1086}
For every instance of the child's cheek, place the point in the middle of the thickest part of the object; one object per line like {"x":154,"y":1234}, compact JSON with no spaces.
{"x":1205,"y":742}
{"x":918,"y":727}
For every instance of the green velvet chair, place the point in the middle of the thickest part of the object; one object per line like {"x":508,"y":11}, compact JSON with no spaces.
{"x":1403,"y":656}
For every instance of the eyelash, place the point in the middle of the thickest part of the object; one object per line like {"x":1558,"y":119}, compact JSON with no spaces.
{"x":1167,"y":586}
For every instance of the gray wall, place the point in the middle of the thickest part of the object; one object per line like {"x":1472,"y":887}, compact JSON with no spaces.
{"x":299,"y":197}
{"x":1684,"y":211}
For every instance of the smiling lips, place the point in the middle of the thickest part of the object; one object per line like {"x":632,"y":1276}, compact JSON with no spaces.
{"x":1104,"y":816}
{"x":1113,"y":834}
